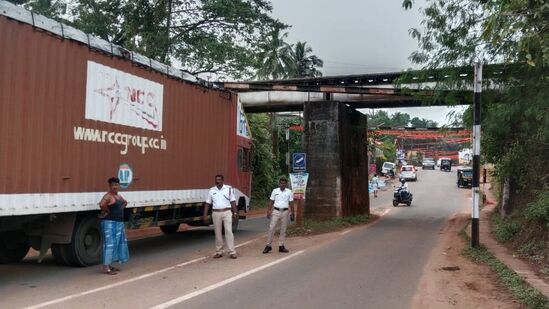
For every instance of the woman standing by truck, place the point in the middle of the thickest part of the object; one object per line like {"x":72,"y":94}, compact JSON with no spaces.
{"x":115,"y":244}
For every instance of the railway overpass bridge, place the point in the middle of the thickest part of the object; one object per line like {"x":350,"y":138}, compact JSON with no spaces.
{"x":336,"y":133}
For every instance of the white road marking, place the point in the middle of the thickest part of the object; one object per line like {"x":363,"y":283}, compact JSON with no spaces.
{"x":147,"y":275}
{"x":386,"y":211}
{"x":343,"y":233}
{"x":222,"y":283}
{"x":247,"y":242}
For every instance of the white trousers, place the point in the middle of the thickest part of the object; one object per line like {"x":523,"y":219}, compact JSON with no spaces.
{"x":223,"y":219}
{"x":283,"y":217}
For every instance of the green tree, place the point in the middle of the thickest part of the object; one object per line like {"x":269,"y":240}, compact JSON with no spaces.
{"x":515,"y":123}
{"x":431,"y":124}
{"x":288,"y":146}
{"x":276,"y":59}
{"x":379,"y":118}
{"x":399,"y":119}
{"x":49,"y":8}
{"x":307,"y":65}
{"x":418,"y":123}
{"x":203,"y":36}
{"x":264,"y":171}
{"x":461,"y":32}
{"x":423,"y":123}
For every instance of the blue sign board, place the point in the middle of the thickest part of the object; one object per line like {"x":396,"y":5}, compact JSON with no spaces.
{"x":125,"y":174}
{"x":299,"y":162}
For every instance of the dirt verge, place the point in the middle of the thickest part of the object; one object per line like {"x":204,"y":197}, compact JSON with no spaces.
{"x":450,"y":280}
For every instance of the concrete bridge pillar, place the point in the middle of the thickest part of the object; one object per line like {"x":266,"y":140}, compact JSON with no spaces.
{"x":337,"y":160}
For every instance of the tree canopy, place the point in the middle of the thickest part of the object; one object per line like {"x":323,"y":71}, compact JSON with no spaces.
{"x":461,"y":32}
{"x":306,"y":64}
{"x":279,"y":59}
{"x":215,"y":36}
{"x":515,"y":126}
{"x":381,"y":118}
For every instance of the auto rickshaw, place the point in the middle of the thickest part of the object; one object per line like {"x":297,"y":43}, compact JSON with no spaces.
{"x":464,"y":177}
{"x":446,"y":165}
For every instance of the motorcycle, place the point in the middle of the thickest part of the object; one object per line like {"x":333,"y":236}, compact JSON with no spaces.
{"x":401,"y":195}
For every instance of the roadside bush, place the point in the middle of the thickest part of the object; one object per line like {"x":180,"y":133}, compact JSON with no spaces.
{"x":539,"y":209}
{"x":504,"y":230}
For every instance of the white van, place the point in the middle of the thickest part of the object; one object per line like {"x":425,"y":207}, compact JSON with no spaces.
{"x":386,"y":167}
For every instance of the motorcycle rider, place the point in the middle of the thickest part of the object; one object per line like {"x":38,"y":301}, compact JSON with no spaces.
{"x":402,"y":195}
{"x":403,"y":185}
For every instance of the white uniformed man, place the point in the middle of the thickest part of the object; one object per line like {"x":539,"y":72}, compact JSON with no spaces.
{"x":279,"y":209}
{"x":223,"y":202}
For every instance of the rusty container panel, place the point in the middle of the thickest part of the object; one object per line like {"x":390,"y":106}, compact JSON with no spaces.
{"x":71,"y":117}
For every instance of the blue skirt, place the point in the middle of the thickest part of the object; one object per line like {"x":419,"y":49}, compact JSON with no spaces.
{"x":115,"y":244}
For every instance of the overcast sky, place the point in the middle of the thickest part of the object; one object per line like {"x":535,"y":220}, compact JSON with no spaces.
{"x":357,"y":36}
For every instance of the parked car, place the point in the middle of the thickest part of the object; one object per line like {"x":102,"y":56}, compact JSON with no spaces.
{"x":428,"y":163}
{"x":464,"y":177}
{"x":408,"y":172}
{"x":387,"y":167}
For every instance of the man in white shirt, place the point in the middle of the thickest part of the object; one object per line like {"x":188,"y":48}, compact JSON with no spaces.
{"x":280,"y":208}
{"x":221,"y":199}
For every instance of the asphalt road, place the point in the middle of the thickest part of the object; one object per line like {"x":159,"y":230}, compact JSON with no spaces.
{"x":375,"y":266}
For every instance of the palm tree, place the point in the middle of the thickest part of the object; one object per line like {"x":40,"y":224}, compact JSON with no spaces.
{"x":306,"y":64}
{"x":276,"y":59}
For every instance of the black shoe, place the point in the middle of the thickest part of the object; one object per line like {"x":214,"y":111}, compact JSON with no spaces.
{"x":267,"y":249}
{"x":283,"y":249}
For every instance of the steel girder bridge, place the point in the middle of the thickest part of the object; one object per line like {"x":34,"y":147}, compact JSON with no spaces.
{"x":373,"y":90}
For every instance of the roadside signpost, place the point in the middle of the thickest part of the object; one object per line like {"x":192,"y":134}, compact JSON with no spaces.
{"x":299,"y":162}
{"x":298,"y":181}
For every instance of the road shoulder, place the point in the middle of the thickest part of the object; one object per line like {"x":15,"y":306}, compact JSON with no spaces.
{"x":450,"y":280}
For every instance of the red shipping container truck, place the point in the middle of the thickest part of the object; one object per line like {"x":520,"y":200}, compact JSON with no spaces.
{"x":76,"y":110}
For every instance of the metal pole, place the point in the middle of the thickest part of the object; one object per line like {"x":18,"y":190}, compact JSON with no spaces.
{"x":476,"y":155}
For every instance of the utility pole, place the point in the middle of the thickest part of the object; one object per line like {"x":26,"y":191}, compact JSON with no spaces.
{"x":476,"y":155}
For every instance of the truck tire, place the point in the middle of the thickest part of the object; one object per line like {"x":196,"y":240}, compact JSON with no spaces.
{"x":14,"y":246}
{"x":86,"y":244}
{"x":169,"y":229}
{"x":59,"y":252}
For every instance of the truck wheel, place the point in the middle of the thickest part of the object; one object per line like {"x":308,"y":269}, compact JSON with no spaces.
{"x":169,"y":229}
{"x":85,"y":248}
{"x":86,"y":244}
{"x":14,"y":246}
{"x":59,"y":252}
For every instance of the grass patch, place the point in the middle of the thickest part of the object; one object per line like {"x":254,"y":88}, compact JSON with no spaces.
{"x":545,"y":271}
{"x":257,"y":203}
{"x":521,"y":291}
{"x":312,"y":227}
{"x":504,"y":230}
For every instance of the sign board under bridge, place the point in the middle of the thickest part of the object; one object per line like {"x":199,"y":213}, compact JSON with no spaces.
{"x":299,"y":184}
